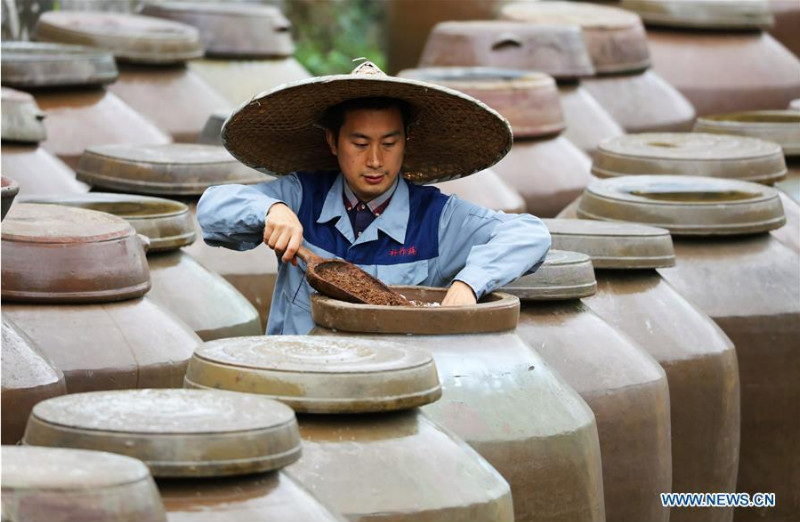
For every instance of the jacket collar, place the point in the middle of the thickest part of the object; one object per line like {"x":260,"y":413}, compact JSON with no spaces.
{"x":392,"y":222}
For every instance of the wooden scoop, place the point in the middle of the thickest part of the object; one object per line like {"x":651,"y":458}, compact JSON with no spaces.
{"x":346,"y":282}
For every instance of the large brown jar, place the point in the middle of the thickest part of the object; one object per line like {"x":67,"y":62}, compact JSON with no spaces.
{"x":783,"y":128}
{"x":216,"y":455}
{"x":28,"y":377}
{"x":77,"y":486}
{"x":787,"y":20}
{"x":248,"y":47}
{"x":559,"y":51}
{"x":409,"y":23}
{"x":153,"y":77}
{"x":73,"y":281}
{"x":184,"y":171}
{"x":35,"y":170}
{"x":67,"y":84}
{"x":699,"y":360}
{"x":543,"y":166}
{"x":746,"y":281}
{"x":701,"y":154}
{"x":626,"y":389}
{"x":499,"y":396}
{"x":716,"y":54}
{"x":636,"y":97}
{"x":202,"y":299}
{"x":368,"y":451}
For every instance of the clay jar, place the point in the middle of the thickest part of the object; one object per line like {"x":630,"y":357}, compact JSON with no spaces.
{"x":68,"y":484}
{"x":185,"y":171}
{"x":73,"y":281}
{"x":9,"y":191}
{"x":361,"y":428}
{"x":543,"y":166}
{"x":783,"y":128}
{"x":635,"y":97}
{"x":67,"y":84}
{"x":214,"y":454}
{"x":787,"y":19}
{"x":701,"y":154}
{"x":626,"y":389}
{"x":486,"y":189}
{"x":746,"y":281}
{"x":28,"y":377}
{"x":498,"y":395}
{"x":699,"y":360}
{"x":202,"y":299}
{"x":716,"y":55}
{"x":248,"y":47}
{"x":153,"y":78}
{"x":409,"y":23}
{"x":559,"y":51}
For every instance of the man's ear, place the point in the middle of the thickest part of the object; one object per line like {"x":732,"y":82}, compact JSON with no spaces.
{"x":330,"y":137}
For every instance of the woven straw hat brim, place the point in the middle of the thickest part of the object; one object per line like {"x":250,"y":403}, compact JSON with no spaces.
{"x":451,"y":135}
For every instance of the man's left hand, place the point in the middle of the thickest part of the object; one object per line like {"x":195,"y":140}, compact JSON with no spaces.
{"x":459,"y":294}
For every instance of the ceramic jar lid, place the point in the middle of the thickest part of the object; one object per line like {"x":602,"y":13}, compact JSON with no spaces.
{"x":781,"y":127}
{"x":703,"y":14}
{"x":795,"y":105}
{"x":177,"y":433}
{"x":559,"y":51}
{"x":212,"y":131}
{"x":614,"y":245}
{"x":22,"y":118}
{"x":615,"y":38}
{"x":496,"y":312}
{"x":134,"y":38}
{"x":9,"y":191}
{"x":319,"y":374}
{"x":232,"y":30}
{"x":528,"y":100}
{"x":690,"y":154}
{"x":23,"y":367}
{"x":563,"y":275}
{"x":168,"y":224}
{"x":176,"y":169}
{"x":56,"y":254}
{"x":688,"y":206}
{"x":69,"y":484}
{"x":32,"y":64}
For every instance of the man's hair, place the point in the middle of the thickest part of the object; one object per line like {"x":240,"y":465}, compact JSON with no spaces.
{"x":333,"y":119}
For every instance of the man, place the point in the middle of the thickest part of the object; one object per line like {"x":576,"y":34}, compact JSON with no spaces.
{"x":366,"y":140}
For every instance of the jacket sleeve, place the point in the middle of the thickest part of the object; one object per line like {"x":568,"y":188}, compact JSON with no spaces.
{"x":232,"y":216}
{"x":487,"y":249}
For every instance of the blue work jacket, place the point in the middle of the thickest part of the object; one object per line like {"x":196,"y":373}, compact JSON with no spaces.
{"x":423,"y":237}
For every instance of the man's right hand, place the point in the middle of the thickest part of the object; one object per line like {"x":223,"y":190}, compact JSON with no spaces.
{"x":283,"y":232}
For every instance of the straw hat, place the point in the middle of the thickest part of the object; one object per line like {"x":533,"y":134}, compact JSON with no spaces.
{"x":451,"y":135}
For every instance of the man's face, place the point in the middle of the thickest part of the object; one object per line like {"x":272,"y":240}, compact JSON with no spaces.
{"x":370,"y":150}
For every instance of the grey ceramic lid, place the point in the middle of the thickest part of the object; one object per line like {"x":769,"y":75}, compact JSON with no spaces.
{"x":621,"y":246}
{"x":319,"y":374}
{"x":795,"y":105}
{"x":616,"y":38}
{"x":509,"y":45}
{"x":168,"y":224}
{"x":41,"y":468}
{"x":690,"y":154}
{"x":135,"y":38}
{"x":781,"y":127}
{"x":22,"y":118}
{"x":694,"y":206}
{"x":33,"y":64}
{"x":231,"y":29}
{"x":703,"y":14}
{"x":177,"y":433}
{"x":563,"y":275}
{"x":212,"y":131}
{"x":176,"y":169}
